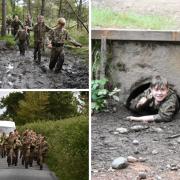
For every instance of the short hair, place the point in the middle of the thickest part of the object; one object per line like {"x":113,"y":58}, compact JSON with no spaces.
{"x":159,"y":82}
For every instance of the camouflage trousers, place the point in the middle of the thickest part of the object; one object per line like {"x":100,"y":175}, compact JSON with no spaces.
{"x":57,"y":59}
{"x":22,"y":47}
{"x":38,"y":48}
{"x":10,"y":156}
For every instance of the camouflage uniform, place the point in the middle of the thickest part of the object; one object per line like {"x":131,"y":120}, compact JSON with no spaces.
{"x":10,"y":149}
{"x":163,"y":111}
{"x":2,"y":144}
{"x":39,"y":37}
{"x":58,"y":36}
{"x":22,"y":37}
{"x":8,"y":24}
{"x":15,"y":26}
{"x":29,"y":24}
{"x":42,"y":151}
{"x":16,"y":147}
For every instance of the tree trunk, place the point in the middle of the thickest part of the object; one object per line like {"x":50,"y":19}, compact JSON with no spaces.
{"x":3,"y":28}
{"x":43,"y":8}
{"x":60,"y":8}
{"x":79,"y":26}
{"x":29,"y":7}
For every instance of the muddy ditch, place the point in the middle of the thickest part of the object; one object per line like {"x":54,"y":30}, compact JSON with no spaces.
{"x":17,"y":72}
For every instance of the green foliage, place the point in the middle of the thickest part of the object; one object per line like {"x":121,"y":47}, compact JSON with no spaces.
{"x":9,"y":40}
{"x":30,"y":106}
{"x":108,"y":18}
{"x":99,"y":94}
{"x":68,"y":146}
{"x":11,"y":103}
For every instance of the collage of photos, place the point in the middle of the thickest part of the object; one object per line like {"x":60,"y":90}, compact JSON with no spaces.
{"x":44,"y":95}
{"x":89,"y":90}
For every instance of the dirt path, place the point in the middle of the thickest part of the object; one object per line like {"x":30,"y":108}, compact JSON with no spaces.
{"x":158,"y":7}
{"x":161,"y":155}
{"x":17,"y":72}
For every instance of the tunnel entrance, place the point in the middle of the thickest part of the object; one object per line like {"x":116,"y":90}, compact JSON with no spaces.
{"x":138,"y":90}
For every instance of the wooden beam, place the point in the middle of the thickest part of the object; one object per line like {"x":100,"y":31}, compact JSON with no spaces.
{"x":135,"y":35}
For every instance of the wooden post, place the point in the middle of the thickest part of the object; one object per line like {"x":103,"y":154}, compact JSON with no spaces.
{"x":103,"y":57}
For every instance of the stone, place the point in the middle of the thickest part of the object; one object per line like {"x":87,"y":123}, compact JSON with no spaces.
{"x":115,"y":133}
{"x":119,"y":163}
{"x":138,"y":128}
{"x":122,"y":130}
{"x":132,"y":159}
{"x":158,"y":178}
{"x":141,"y":159}
{"x":154,"y":152}
{"x":178,"y":140}
{"x":114,"y":109}
{"x":135,"y":142}
{"x":156,"y":129}
{"x":142,"y":175}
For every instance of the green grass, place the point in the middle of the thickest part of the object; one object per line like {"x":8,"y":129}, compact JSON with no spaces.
{"x":108,"y":18}
{"x":9,"y":40}
{"x":68,"y":146}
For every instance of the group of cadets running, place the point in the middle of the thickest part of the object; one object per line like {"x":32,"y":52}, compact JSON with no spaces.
{"x":28,"y":147}
{"x":55,"y":39}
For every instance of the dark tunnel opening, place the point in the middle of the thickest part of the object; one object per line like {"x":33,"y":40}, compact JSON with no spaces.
{"x":140,"y":89}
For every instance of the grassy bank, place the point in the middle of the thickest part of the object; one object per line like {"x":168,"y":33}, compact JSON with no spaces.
{"x":108,"y":18}
{"x":68,"y":146}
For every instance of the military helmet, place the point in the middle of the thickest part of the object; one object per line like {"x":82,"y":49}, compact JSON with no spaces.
{"x":61,"y":21}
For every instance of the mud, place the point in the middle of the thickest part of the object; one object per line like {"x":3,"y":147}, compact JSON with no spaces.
{"x":107,"y":145}
{"x":18,"y":72}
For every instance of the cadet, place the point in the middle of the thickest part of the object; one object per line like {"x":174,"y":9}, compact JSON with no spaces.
{"x":22,"y":37}
{"x":3,"y":147}
{"x":28,"y":22}
{"x":159,"y":101}
{"x":16,"y":147}
{"x":57,"y":38}
{"x":39,"y":37}
{"x":10,"y":148}
{"x":42,"y":151}
{"x":16,"y":24}
{"x":8,"y":24}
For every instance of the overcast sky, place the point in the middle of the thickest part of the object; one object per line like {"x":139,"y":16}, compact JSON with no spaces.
{"x":2,"y":94}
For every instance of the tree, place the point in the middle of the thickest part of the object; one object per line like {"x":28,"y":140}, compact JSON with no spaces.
{"x":11,"y":104}
{"x":29,"y":7}
{"x":33,"y":107}
{"x":43,"y":8}
{"x":3,"y":29}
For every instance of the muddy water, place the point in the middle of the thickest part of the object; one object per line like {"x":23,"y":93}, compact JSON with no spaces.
{"x":18,"y":72}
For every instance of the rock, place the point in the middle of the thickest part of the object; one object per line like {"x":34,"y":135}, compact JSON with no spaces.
{"x":141,"y":159}
{"x":132,"y":159}
{"x":154,"y":152}
{"x":156,"y":129}
{"x":115,"y":133}
{"x":158,"y":178}
{"x":138,"y":128}
{"x":119,"y":163}
{"x":142,"y":175}
{"x":174,"y":168}
{"x":114,"y":109}
{"x":135,"y":142}
{"x":178,"y":140}
{"x":122,"y":130}
{"x":136,"y":151}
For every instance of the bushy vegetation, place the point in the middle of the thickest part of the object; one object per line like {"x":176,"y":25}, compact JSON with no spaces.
{"x":9,"y":40}
{"x":68,"y":146}
{"x":108,"y":18}
{"x":100,"y":94}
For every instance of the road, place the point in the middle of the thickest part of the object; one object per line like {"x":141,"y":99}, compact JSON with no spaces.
{"x":20,"y":173}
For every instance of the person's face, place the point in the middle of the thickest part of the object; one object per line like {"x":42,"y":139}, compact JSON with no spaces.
{"x":16,"y":18}
{"x":40,"y":19}
{"x":61,"y":25}
{"x":159,"y":94}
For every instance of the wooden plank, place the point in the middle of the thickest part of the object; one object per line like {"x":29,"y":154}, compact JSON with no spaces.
{"x":135,"y":35}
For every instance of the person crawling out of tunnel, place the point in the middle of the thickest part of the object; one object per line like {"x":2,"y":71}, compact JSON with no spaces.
{"x":159,"y":103}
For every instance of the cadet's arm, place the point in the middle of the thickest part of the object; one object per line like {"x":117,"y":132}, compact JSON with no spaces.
{"x":72,"y":41}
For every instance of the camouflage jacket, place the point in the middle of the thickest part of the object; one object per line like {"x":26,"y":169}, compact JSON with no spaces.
{"x":59,"y":35}
{"x":163,"y":111}
{"x":39,"y":32}
{"x":8,"y":21}
{"x":28,"y":23}
{"x":21,"y":35}
{"x":16,"y":24}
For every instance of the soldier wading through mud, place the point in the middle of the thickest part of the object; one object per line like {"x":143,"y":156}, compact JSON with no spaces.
{"x":158,"y":103}
{"x":32,"y":147}
{"x":57,"y":38}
